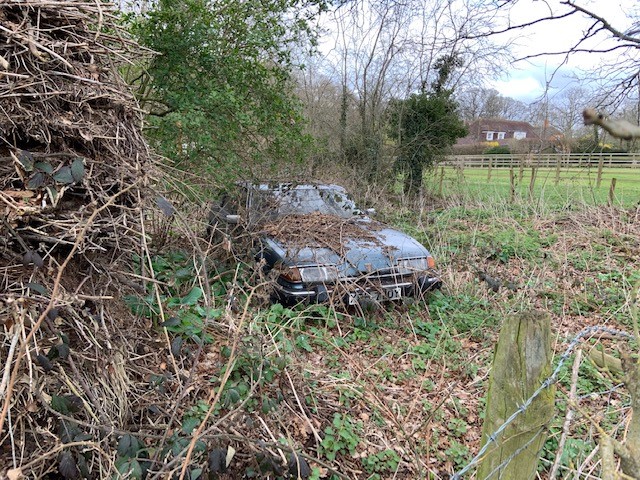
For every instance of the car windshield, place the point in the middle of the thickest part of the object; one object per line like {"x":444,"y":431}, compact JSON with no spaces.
{"x":273,"y":203}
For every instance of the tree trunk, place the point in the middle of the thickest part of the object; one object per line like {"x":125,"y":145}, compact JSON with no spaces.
{"x":413,"y":179}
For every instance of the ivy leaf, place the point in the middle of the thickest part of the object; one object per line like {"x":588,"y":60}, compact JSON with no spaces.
{"x":77,"y":169}
{"x":64,"y":176}
{"x":67,"y":466}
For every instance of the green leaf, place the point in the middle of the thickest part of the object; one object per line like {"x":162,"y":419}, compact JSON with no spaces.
{"x":36,"y":181}
{"x":128,"y":446}
{"x":64,"y":176}
{"x":176,"y":346}
{"x":77,"y":169}
{"x":171,"y":322}
{"x":192,"y":297}
{"x":26,"y":160}
{"x":165,"y":206}
{"x":61,"y":404}
{"x":189,"y":424}
{"x":52,"y":192}
{"x":63,"y":350}
{"x":44,"y":362}
{"x":67,"y":465}
{"x":44,"y":167}
{"x":129,"y":468}
{"x":36,"y":287}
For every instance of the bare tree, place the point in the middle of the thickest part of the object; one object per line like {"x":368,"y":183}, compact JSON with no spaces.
{"x":616,"y":76}
{"x":387,"y":49}
{"x":479,"y":102}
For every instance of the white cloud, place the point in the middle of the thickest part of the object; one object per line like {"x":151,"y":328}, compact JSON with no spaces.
{"x":525,"y":88}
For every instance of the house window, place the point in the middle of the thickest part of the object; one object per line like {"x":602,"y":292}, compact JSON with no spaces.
{"x":519,"y":135}
{"x":501,"y":135}
{"x":490,"y":135}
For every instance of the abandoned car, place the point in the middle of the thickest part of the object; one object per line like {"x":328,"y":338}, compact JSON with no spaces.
{"x":319,"y":247}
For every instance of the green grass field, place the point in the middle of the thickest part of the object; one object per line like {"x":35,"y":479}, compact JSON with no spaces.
{"x":574,"y":186}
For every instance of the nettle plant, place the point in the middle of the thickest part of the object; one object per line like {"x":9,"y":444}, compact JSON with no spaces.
{"x":181,"y":297}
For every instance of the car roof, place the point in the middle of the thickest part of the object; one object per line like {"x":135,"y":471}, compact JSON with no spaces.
{"x":283,"y":186}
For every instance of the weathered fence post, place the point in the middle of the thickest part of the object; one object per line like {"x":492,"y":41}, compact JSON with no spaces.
{"x":512,"y":183}
{"x":612,"y":191}
{"x":489,"y":170}
{"x":521,"y":363}
{"x":599,"y":177}
{"x":441,"y":180}
{"x":532,"y":182}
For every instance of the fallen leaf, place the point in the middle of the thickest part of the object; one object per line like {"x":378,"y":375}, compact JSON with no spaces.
{"x":14,"y":474}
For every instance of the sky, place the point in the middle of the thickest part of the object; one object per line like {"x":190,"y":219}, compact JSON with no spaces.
{"x":527,"y":80}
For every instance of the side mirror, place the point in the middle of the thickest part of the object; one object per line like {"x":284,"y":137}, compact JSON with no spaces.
{"x":370,"y":211}
{"x":233,"y":219}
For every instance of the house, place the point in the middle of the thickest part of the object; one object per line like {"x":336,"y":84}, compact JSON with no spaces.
{"x":504,"y":132}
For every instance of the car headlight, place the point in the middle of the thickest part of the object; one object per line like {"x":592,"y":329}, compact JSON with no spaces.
{"x":312,"y":274}
{"x":412,"y":265}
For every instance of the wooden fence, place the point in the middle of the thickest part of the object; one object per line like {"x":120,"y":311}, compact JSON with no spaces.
{"x":548,"y":160}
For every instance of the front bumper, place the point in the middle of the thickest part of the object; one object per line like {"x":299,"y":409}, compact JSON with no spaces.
{"x":289,"y":293}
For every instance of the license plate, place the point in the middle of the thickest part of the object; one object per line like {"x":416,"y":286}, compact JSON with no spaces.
{"x":385,"y":295}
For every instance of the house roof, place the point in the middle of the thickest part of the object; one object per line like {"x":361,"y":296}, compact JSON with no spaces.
{"x":481,"y":125}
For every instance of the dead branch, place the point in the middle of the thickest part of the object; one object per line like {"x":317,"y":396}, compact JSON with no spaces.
{"x":618,"y":128}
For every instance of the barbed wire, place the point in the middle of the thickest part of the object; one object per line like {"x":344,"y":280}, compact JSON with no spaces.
{"x":516,"y":453}
{"x":588,"y":331}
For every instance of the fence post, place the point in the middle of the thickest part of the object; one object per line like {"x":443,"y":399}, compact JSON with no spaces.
{"x":532,"y":182}
{"x":612,"y":191}
{"x":599,"y":177}
{"x":521,"y":170}
{"x":489,"y":171}
{"x":521,"y":362}
{"x":512,"y":192}
{"x":441,"y":180}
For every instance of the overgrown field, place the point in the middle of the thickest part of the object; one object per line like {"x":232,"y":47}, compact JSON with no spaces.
{"x":394,"y":393}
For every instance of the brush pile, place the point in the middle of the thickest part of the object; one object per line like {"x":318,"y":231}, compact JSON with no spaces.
{"x":70,"y":137}
{"x":73,"y":166}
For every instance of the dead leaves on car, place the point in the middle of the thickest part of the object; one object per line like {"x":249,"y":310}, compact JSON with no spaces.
{"x":319,"y":230}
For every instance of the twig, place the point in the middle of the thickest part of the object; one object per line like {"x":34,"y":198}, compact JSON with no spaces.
{"x":569,"y":415}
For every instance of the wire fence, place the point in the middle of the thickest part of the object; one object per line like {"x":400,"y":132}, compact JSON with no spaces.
{"x":492,"y":439}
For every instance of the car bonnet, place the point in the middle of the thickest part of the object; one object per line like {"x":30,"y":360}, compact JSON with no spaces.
{"x":357,"y":256}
